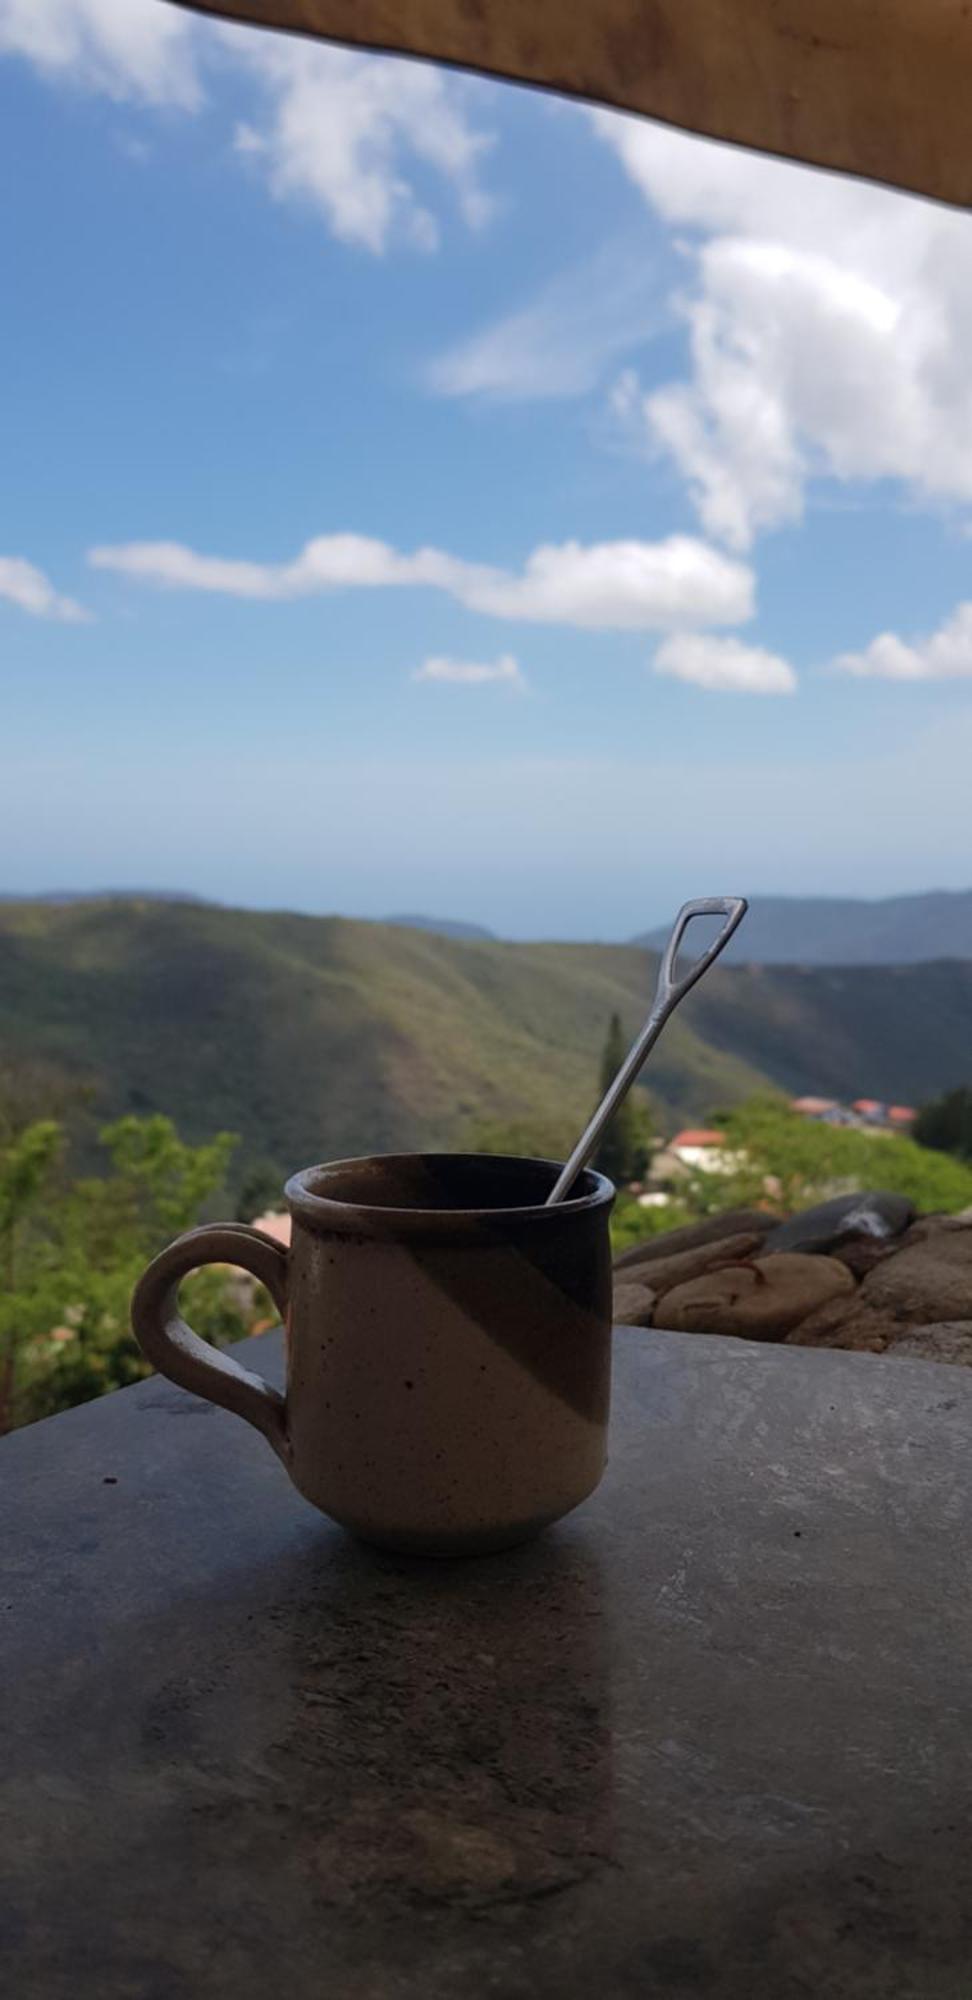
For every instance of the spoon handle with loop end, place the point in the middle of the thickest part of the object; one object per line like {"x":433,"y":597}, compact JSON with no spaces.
{"x":668,"y":992}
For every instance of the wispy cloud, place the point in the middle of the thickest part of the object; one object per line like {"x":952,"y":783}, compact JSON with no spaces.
{"x":336,"y":131}
{"x":942,"y":655}
{"x":26,"y":586}
{"x":126,"y":49}
{"x":339,"y":132}
{"x":473,"y":673}
{"x":725,"y":665}
{"x":563,"y":339}
{"x":633,"y":586}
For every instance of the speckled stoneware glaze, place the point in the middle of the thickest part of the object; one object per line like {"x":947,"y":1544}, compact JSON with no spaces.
{"x":449,"y":1344}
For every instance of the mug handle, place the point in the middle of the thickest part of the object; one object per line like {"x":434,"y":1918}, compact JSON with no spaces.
{"x":177,"y":1352}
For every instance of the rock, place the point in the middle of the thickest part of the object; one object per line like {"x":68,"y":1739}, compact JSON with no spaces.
{"x":633,"y":1304}
{"x":949,"y":1340}
{"x":736,"y":1222}
{"x":862,"y":1254}
{"x":929,"y":1280}
{"x":878,"y":1216}
{"x":927,"y":1226}
{"x":664,"y":1272}
{"x":845,"y":1323}
{"x":762,"y":1300}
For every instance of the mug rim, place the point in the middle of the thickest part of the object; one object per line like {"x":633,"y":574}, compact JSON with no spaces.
{"x":349,"y":1217}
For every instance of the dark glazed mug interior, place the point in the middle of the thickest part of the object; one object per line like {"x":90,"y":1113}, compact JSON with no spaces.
{"x":425,"y":1185}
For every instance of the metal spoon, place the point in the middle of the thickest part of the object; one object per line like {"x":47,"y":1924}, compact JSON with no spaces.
{"x":668,"y":992}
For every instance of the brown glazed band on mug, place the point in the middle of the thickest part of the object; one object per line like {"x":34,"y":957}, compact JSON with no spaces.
{"x":448,"y":1344}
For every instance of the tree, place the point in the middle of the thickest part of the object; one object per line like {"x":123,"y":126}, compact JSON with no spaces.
{"x":27,"y":1159}
{"x":261,"y":1191}
{"x":946,"y":1124}
{"x":71,"y":1255}
{"x":623,"y":1151}
{"x":789,"y":1162}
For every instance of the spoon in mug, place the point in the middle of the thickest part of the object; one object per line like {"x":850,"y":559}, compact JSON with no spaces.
{"x":668,"y":992}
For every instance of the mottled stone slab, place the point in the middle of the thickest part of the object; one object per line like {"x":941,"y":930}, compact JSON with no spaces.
{"x":712,"y":1736}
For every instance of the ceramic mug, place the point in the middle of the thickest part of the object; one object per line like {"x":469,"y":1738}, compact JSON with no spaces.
{"x":448,"y":1344}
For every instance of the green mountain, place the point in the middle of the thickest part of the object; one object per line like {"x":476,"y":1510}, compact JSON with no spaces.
{"x":314,"y":1037}
{"x":842,"y":930}
{"x":442,"y":926}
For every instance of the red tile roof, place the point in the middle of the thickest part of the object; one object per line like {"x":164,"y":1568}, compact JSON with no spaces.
{"x":902,"y":1114}
{"x":699,"y":1138}
{"x":274,"y":1224}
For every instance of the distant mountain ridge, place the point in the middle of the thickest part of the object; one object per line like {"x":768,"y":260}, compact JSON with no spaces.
{"x":779,"y":930}
{"x":442,"y":927}
{"x":837,"y":930}
{"x":452,"y":927}
{"x":103,"y":896}
{"x":317,"y":1037}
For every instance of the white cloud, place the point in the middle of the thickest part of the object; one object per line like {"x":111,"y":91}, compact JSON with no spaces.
{"x":177,"y":568}
{"x":943,"y":655}
{"x":23,"y":584}
{"x":633,"y":586}
{"x":829,"y":323}
{"x":724,"y":664}
{"x":125,"y":48}
{"x":560,"y":343}
{"x":472,"y":673}
{"x":338,"y":130}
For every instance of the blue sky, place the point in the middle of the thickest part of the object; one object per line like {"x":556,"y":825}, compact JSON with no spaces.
{"x":422,"y":494}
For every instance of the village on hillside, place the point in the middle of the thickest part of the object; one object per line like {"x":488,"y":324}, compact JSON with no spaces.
{"x":704,"y":1149}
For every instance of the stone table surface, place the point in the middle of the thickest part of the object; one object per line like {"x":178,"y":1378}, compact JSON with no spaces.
{"x":711,"y":1737}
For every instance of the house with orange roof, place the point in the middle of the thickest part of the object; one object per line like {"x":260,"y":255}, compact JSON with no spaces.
{"x":699,"y":1147}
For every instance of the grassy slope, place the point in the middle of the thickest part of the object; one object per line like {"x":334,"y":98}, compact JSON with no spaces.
{"x":900,"y":1033}
{"x":319,"y":1036}
{"x":316,"y":1036}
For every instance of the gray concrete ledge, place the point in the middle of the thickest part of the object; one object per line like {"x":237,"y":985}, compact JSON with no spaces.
{"x":712,"y":1736}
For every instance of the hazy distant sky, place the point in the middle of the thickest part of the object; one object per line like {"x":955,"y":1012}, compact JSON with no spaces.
{"x":420,"y":494}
